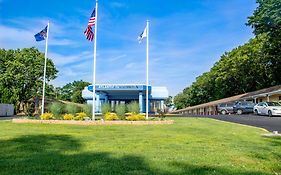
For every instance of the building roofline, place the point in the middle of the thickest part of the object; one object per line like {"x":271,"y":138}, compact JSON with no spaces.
{"x":259,"y":93}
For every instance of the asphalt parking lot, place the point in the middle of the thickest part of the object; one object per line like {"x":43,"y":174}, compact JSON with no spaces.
{"x":268,"y":123}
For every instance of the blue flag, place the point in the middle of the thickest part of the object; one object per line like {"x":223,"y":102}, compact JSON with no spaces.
{"x":41,"y":35}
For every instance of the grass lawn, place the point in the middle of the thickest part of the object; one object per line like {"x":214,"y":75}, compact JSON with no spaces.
{"x":190,"y":146}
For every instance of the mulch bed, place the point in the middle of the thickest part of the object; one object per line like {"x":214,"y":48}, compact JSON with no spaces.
{"x":73,"y":122}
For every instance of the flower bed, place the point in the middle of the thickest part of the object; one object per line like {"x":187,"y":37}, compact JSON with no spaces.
{"x":73,"y":122}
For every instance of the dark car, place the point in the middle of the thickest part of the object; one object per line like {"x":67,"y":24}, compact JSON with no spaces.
{"x":241,"y":107}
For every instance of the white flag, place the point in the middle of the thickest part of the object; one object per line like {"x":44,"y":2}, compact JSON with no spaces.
{"x":143,"y":35}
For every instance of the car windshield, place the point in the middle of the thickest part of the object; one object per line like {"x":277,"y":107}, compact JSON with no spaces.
{"x":273,"y":104}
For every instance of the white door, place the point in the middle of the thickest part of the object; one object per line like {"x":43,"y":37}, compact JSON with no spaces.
{"x":264,"y":109}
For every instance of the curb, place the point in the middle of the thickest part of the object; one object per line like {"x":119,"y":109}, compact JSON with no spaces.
{"x":87,"y":123}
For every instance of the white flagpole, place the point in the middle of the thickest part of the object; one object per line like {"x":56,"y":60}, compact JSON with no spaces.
{"x":94,"y":66}
{"x":147,"y":59}
{"x":44,"y":79}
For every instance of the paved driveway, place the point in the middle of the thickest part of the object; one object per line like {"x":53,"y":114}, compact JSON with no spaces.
{"x":268,"y":123}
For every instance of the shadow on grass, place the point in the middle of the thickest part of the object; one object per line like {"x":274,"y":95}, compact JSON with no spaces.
{"x":61,"y":154}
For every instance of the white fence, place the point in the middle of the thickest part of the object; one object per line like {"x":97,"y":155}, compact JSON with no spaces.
{"x":6,"y":110}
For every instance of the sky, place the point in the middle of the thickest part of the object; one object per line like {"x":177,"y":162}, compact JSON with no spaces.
{"x":187,"y":37}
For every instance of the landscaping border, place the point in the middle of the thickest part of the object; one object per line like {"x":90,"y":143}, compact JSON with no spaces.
{"x":73,"y":122}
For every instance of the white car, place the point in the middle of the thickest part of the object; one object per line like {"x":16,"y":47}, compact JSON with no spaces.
{"x":268,"y":108}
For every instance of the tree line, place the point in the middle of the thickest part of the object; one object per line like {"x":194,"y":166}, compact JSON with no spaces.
{"x":252,"y":66}
{"x":21,"y":78}
{"x":21,"y":74}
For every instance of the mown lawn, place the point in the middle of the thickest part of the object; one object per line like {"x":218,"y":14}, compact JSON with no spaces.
{"x":190,"y":146}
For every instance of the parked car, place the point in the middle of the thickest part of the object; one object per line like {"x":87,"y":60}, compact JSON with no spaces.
{"x":241,"y":107}
{"x":225,"y":108}
{"x":268,"y":108}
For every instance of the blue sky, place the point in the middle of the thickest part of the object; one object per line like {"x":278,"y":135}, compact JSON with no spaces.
{"x":186,"y":37}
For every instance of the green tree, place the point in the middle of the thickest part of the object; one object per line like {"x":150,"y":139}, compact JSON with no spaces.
{"x":180,"y":101}
{"x":21,"y":73}
{"x":73,"y":91}
{"x":241,"y":70}
{"x":266,"y":20}
{"x":169,"y":101}
{"x":252,"y":66}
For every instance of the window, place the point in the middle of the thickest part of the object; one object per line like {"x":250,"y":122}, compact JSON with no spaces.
{"x":279,"y":97}
{"x":230,"y":104}
{"x":260,"y":100}
{"x":222,"y":105}
{"x":273,"y":104}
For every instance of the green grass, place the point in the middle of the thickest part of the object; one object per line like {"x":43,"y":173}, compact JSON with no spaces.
{"x":190,"y":146}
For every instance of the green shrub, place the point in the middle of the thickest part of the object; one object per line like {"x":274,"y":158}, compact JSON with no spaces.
{"x":110,"y":116}
{"x":72,"y":109}
{"x":47,"y":116}
{"x":56,"y":108}
{"x":133,"y":107}
{"x":87,"y":108}
{"x":161,"y":114}
{"x":105,"y":108}
{"x":135,"y":117}
{"x":30,"y":109}
{"x":80,"y":116}
{"x":120,"y":111}
{"x":68,"y":117}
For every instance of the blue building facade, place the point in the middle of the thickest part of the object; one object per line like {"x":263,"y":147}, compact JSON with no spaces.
{"x":115,"y":94}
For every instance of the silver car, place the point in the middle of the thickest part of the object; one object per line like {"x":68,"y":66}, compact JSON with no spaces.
{"x":268,"y":108}
{"x":225,"y":108}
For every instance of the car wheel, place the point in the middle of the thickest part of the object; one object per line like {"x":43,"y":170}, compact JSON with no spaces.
{"x":223,"y":112}
{"x":256,"y":112}
{"x":269,"y":114}
{"x":239,"y":111}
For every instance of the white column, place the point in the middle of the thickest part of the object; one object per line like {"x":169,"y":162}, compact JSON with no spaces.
{"x":162,"y":105}
{"x":268,"y":99}
{"x":141,"y":102}
{"x":98,"y":105}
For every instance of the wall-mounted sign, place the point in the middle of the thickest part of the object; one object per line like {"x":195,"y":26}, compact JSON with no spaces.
{"x":104,"y":87}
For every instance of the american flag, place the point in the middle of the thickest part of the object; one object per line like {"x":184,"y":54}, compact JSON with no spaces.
{"x":92,"y":21}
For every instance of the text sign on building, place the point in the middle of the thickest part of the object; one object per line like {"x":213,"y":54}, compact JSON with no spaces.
{"x":119,"y":87}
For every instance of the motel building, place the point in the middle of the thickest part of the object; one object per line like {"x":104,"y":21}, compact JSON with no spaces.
{"x":263,"y":95}
{"x":115,"y":94}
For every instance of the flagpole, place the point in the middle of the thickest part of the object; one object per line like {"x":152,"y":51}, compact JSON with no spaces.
{"x":147,"y":59}
{"x":94,"y":66}
{"x":45,"y":65}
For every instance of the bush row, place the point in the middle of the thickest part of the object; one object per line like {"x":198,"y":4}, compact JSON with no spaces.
{"x":58,"y":109}
{"x":77,"y":116}
{"x":121,"y":109}
{"x":127,"y":116}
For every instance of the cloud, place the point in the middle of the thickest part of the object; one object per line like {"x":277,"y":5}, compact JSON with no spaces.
{"x":183,"y":43}
{"x":15,"y":37}
{"x":117,"y":58}
{"x":117,"y":4}
{"x":65,"y":60}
